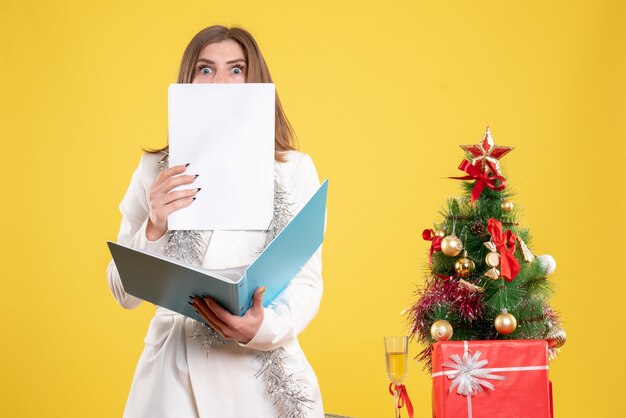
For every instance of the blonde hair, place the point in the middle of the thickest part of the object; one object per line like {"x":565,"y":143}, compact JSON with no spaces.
{"x":257,"y":72}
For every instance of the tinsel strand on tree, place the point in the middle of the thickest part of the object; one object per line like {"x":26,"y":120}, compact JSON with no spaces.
{"x":483,"y":281}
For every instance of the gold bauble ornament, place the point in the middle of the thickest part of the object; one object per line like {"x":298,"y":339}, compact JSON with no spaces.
{"x":441,"y":233}
{"x":556,"y":337}
{"x":507,"y":206}
{"x":464,"y":267}
{"x":505,"y":323}
{"x":441,"y":330}
{"x":451,"y":245}
{"x":492,"y":259}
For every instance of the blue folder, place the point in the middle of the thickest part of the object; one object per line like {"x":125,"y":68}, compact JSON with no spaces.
{"x":169,"y":283}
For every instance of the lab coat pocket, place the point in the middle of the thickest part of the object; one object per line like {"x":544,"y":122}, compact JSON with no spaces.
{"x":159,"y":329}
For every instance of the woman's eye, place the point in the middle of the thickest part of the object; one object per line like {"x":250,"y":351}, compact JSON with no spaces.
{"x":205,"y":70}
{"x":237,"y":70}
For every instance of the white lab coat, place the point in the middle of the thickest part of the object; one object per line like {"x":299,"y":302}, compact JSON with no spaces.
{"x":174,"y":377}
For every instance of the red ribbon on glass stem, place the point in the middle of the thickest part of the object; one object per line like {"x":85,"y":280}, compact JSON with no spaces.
{"x":482,"y":179}
{"x":429,"y":235}
{"x":402,"y":396}
{"x":505,"y":242}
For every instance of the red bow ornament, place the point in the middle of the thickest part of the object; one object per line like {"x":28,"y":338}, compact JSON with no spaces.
{"x":505,"y":243}
{"x":429,"y":235}
{"x":482,"y":177}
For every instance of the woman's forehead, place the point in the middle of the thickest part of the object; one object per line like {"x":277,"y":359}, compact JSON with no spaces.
{"x":227,"y":50}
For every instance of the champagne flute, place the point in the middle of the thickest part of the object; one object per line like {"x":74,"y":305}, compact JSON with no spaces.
{"x":396,"y":356}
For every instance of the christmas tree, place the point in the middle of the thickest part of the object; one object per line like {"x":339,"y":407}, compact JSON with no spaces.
{"x":483,"y":281}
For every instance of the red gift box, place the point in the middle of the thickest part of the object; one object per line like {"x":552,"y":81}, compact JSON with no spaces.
{"x":491,"y":379}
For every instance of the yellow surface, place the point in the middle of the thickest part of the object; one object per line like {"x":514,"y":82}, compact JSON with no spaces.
{"x":381,"y":95}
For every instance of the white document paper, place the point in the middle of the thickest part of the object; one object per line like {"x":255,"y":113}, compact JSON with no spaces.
{"x":226,"y":133}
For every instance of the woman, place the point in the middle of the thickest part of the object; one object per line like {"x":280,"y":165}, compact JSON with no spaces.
{"x":186,"y":369}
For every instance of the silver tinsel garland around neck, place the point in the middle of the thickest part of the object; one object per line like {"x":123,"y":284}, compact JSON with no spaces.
{"x":190,"y":247}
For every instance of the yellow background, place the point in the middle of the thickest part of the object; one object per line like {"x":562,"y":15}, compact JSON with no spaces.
{"x":381,"y":94}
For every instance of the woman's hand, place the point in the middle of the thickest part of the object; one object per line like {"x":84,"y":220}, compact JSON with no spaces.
{"x":232,"y":327}
{"x":162,"y":201}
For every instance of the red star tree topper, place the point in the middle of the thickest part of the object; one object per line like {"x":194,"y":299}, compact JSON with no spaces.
{"x":487,"y":153}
